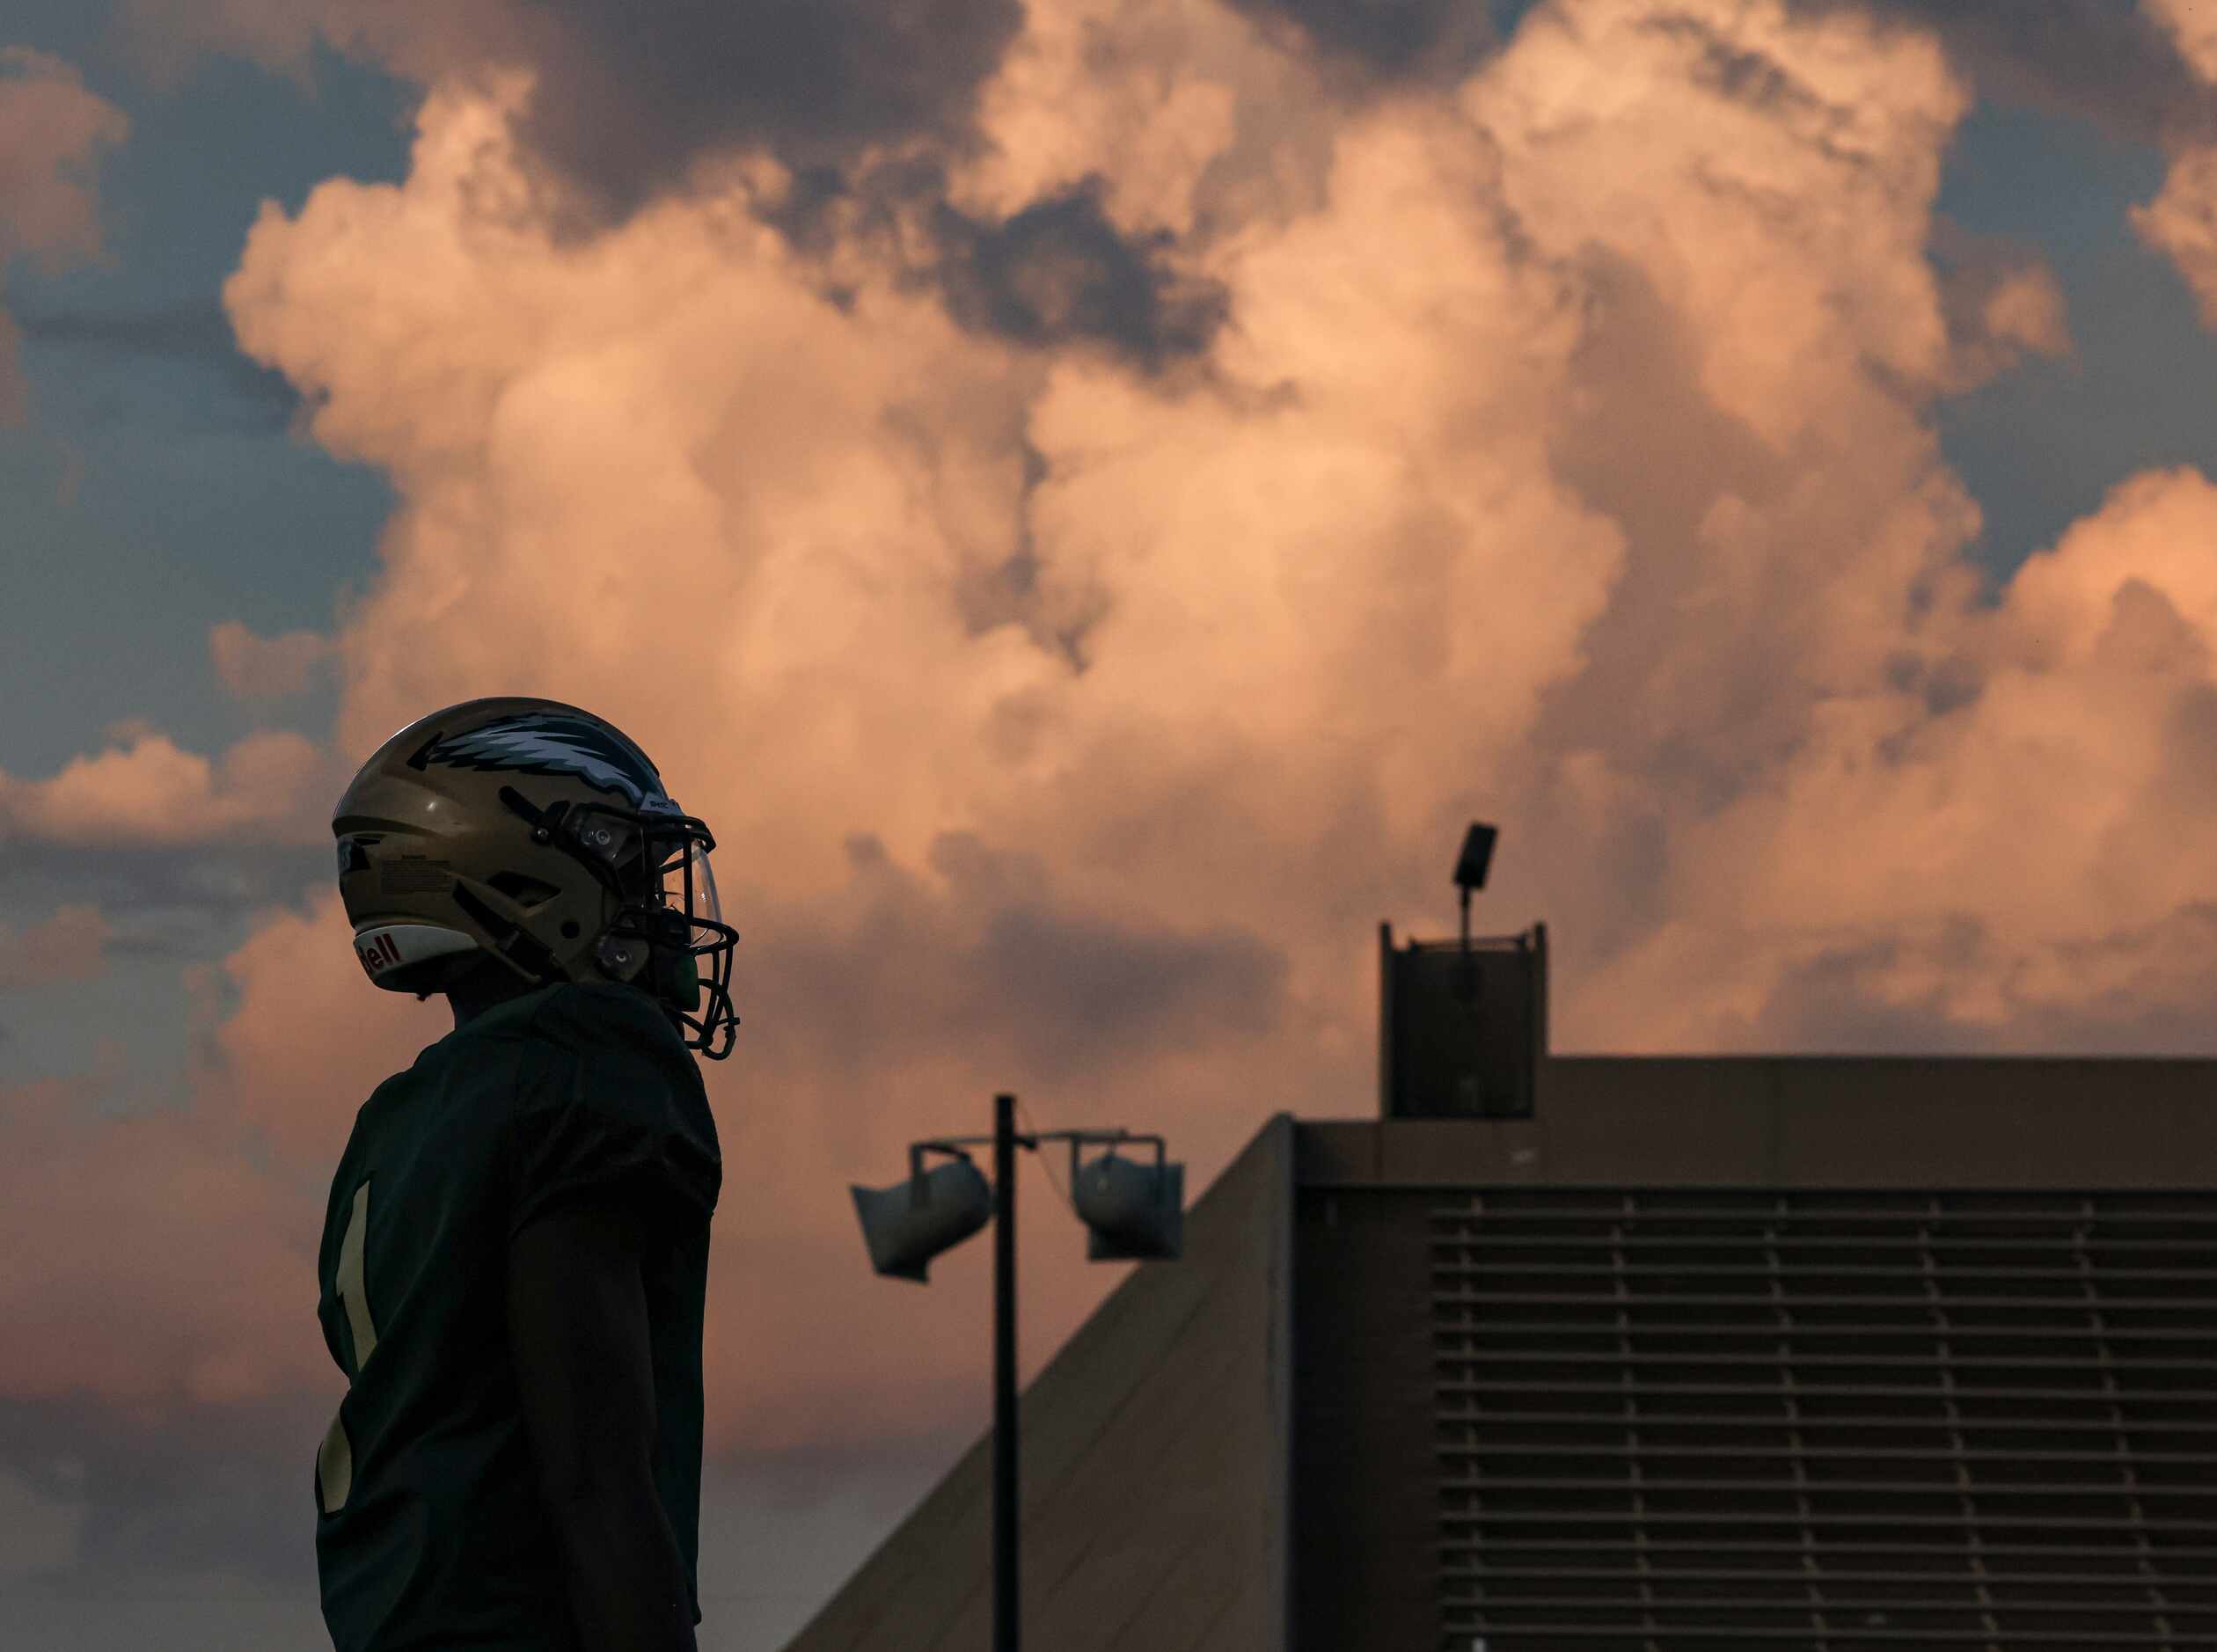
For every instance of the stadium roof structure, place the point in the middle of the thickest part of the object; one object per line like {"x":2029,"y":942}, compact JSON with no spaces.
{"x":1827,"y":1352}
{"x":1630,"y":1354}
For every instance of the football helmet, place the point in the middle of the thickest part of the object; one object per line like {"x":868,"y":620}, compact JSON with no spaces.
{"x":538,"y":834}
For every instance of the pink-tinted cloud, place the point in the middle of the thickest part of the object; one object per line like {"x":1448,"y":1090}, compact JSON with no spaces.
{"x":164,"y":40}
{"x":307,"y":1044}
{"x":256,"y":667}
{"x":145,"y":791}
{"x":2000,"y":301}
{"x":2026,"y":803}
{"x":66,"y":946}
{"x":2192,"y":26}
{"x":143,"y":1260}
{"x":1200,"y":123}
{"x":2026,"y":309}
{"x":1567,"y":459}
{"x":1305,"y":593}
{"x":2181,"y":222}
{"x":52,"y":132}
{"x":155,"y":1259}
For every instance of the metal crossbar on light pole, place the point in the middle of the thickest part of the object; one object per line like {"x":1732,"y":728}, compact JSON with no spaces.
{"x":1134,"y":1214}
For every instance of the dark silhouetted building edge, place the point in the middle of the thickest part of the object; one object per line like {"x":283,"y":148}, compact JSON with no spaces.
{"x":1739,"y":1351}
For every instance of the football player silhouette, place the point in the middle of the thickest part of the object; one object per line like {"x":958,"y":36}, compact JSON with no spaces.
{"x":515,"y":1256}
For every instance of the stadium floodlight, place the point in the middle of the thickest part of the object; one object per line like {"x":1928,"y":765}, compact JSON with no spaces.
{"x":911,"y":1221}
{"x":1134,"y":1212}
{"x":1477,"y":855}
{"x":1470,"y":873}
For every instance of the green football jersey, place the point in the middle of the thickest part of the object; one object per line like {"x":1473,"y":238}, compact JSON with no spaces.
{"x":430,"y":1531}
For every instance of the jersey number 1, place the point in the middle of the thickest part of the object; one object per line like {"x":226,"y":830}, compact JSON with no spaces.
{"x":334,"y":1462}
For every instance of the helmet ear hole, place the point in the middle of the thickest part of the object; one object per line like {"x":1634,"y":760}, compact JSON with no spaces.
{"x":570,"y":931}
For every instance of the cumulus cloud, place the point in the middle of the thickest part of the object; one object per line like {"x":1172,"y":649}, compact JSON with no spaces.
{"x":66,"y":946}
{"x":2107,"y":62}
{"x":144,"y":791}
{"x":52,"y":132}
{"x":1169,"y":110}
{"x":256,"y":668}
{"x":2025,"y":309}
{"x":1123,"y":664}
{"x":166,"y":40}
{"x":53,"y":129}
{"x":298,"y":974}
{"x":2001,"y":301}
{"x":143,"y":1260}
{"x":2028,"y":809}
{"x":182,"y":897}
{"x":631,"y":101}
{"x":1434,"y":40}
{"x":158,"y":1264}
{"x":2181,"y":222}
{"x":865,"y":112}
{"x":1059,"y":272}
{"x":2192,"y":28}
{"x":1560,"y":451}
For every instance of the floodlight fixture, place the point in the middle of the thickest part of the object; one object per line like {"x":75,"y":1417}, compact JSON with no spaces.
{"x":909,"y":1223}
{"x":1134,"y":1212}
{"x":1477,"y":855}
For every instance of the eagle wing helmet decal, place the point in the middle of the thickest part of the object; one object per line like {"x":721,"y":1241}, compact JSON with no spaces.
{"x":547,"y":742}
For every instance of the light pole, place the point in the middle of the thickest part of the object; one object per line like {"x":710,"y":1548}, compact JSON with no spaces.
{"x":1135,"y":1213}
{"x":1005,"y":1623}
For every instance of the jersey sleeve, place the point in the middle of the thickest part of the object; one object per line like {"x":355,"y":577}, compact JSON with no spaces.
{"x":605,"y":1111}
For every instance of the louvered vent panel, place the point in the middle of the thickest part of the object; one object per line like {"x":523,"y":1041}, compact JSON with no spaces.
{"x":1720,"y":1419}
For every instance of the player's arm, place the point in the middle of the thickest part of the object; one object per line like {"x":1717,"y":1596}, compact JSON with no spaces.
{"x":577,"y":1338}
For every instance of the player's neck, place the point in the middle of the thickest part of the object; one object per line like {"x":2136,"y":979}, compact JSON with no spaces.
{"x":472,"y":997}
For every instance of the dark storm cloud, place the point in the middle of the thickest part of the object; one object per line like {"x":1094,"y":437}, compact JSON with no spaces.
{"x":630,"y":96}
{"x":1400,"y":39}
{"x":233,"y":1493}
{"x":161,"y":897}
{"x":194,"y":331}
{"x":2103,"y":61}
{"x":803,"y":217}
{"x":1057,"y":272}
{"x":1947,"y":685}
{"x":824,"y":203}
{"x":1838,"y":1004}
{"x":1847,"y":1001}
{"x":1060,"y":272}
{"x":1001,"y":963}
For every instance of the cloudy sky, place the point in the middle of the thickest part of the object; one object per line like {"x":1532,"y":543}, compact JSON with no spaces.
{"x":1088,"y":498}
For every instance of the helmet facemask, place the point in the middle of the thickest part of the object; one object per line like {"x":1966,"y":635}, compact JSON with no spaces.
{"x":655,"y":862}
